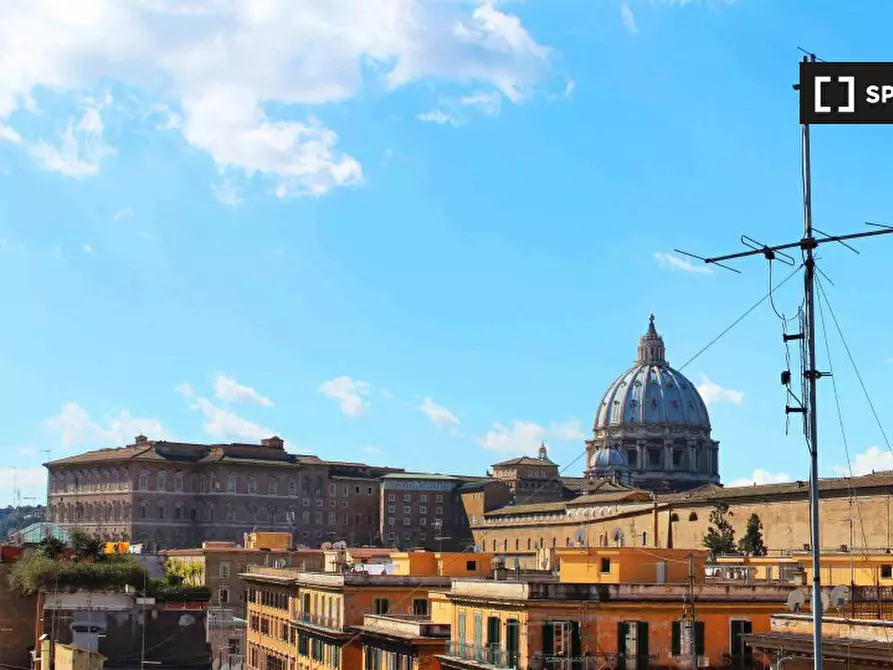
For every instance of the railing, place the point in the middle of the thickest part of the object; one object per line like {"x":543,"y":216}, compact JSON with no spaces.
{"x":491,"y":657}
{"x":591,"y":662}
{"x":317,"y":620}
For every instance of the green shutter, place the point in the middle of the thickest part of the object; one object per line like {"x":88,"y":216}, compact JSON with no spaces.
{"x":621,"y":644}
{"x":511,"y":642}
{"x":548,"y":639}
{"x":699,"y":638}
{"x":676,"y":644}
{"x":461,"y":632}
{"x":642,"y":660}
{"x":576,"y":651}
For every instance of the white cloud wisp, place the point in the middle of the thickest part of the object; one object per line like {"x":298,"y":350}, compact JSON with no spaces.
{"x":239,"y":78}
{"x":350,"y":393}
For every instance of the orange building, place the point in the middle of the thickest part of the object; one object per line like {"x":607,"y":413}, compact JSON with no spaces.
{"x":621,"y":608}
{"x":316,"y":620}
{"x":402,"y":642}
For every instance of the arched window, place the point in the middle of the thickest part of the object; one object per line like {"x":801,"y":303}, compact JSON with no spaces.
{"x":274,"y":486}
{"x":144,"y":480}
{"x":494,"y":545}
{"x":528,"y":544}
{"x":644,"y":538}
{"x":210,"y":512}
{"x":178,"y":481}
{"x":292,"y":487}
{"x":231,"y":483}
{"x":517,"y":544}
{"x":252,"y":484}
{"x":252,"y":513}
{"x":143,"y":507}
{"x":693,"y":516}
{"x":505,"y":545}
{"x":161,"y":481}
{"x":161,"y":510}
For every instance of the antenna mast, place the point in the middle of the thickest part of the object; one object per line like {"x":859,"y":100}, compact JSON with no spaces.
{"x":807,"y":245}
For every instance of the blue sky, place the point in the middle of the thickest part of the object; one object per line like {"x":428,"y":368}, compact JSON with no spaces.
{"x":421,"y":234}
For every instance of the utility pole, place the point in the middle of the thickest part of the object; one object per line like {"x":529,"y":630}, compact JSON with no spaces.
{"x":688,"y":633}
{"x":807,"y":245}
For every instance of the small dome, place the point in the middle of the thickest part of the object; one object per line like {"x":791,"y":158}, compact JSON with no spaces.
{"x":651,"y":392}
{"x":608,"y":457}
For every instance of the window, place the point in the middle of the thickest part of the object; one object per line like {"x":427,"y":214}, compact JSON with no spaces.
{"x":223,"y":595}
{"x":632,"y":644}
{"x":407,"y":509}
{"x":423,"y":536}
{"x":406,"y":521}
{"x":317,"y":518}
{"x":391,"y":497}
{"x":231,"y":484}
{"x":738,"y":648}
{"x":693,"y":516}
{"x":252,"y":485}
{"x":178,"y":512}
{"x":223,"y":571}
{"x":161,"y":510}
{"x":333,"y":489}
{"x":305,"y":517}
{"x":423,"y":521}
{"x":392,"y":509}
{"x":345,"y":490}
{"x":380,"y":606}
{"x":606,"y":565}
{"x":438,"y":511}
{"x":407,"y":497}
{"x":333,"y":518}
{"x":369,"y":490}
{"x":178,"y":481}
{"x":161,"y":481}
{"x":230,"y":513}
{"x":144,"y":481}
{"x":306,"y":502}
{"x":274,"y":487}
{"x":423,"y":509}
{"x":886,"y":571}
{"x":292,"y":487}
{"x":438,"y":498}
{"x":423,"y":498}
{"x":332,"y":503}
{"x":391,"y":521}
{"x":471,"y":566}
{"x":344,"y":504}
{"x":680,"y":642}
{"x":319,"y":502}
{"x":420,"y":607}
{"x":142,"y":510}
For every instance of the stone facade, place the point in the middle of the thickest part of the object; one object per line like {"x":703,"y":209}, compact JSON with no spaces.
{"x":855,"y":514}
{"x":170,"y":494}
{"x":530,"y":480}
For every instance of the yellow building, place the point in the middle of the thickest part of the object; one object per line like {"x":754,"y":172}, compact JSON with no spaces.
{"x":858,"y":568}
{"x":69,"y":657}
{"x":589,"y":619}
{"x":441,"y":564}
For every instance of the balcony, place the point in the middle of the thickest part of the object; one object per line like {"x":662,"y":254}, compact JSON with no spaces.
{"x":484,"y":657}
{"x":330,"y":623}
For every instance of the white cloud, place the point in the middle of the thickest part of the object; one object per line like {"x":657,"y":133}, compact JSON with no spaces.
{"x":674,"y":262}
{"x":525,"y":437}
{"x":487,"y":103}
{"x":440,"y":416}
{"x":371,"y":449}
{"x":184,"y":389}
{"x":229,"y":390}
{"x":9,"y":135}
{"x":88,"y":249}
{"x":350,"y":394}
{"x":125,"y":213}
{"x":226,"y":425}
{"x":81,"y":148}
{"x":629,"y":19}
{"x":761,"y":477}
{"x":569,"y":88}
{"x":712,"y":393}
{"x":438,"y":117}
{"x":239,"y":72}
{"x":76,"y":428}
{"x":874,"y":459}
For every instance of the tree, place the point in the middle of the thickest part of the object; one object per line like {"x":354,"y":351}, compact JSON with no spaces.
{"x":86,"y":547}
{"x":720,"y":537}
{"x":752,"y":542}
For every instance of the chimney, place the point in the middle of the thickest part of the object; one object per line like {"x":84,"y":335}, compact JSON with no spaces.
{"x":274,"y":442}
{"x":140,"y":439}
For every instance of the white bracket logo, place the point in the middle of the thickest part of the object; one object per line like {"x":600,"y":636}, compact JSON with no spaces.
{"x":849,"y":108}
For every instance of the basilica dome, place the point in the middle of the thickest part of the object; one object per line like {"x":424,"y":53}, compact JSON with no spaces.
{"x":652,"y":426}
{"x":651,"y":392}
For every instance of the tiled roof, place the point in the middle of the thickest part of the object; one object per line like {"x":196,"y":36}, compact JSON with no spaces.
{"x":576,"y":484}
{"x":524,"y":460}
{"x":531,"y":508}
{"x":421,"y":476}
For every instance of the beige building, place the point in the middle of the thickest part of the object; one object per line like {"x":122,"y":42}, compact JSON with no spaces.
{"x":530,"y":480}
{"x":171,"y":494}
{"x":855,"y":514}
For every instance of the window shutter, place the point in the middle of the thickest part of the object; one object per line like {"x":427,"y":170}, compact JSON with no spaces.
{"x":548,"y":638}
{"x":676,"y":643}
{"x":699,"y":638}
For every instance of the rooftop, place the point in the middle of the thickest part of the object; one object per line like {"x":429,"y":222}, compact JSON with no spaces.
{"x":404,"y":627}
{"x":340,"y":580}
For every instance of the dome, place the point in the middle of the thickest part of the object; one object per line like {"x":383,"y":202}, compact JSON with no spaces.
{"x":610,"y":458}
{"x":652,"y":393}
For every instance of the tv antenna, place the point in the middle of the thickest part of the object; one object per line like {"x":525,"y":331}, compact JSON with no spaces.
{"x":807,"y":245}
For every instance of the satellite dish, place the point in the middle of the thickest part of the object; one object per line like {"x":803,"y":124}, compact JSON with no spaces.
{"x":325,"y":546}
{"x":796,"y":600}
{"x":840,"y":596}
{"x":580,"y":537}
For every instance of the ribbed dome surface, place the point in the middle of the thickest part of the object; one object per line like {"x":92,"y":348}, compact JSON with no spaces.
{"x":651,"y":392}
{"x":609,"y":458}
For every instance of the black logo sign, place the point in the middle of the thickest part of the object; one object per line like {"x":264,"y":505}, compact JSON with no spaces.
{"x":846,"y":93}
